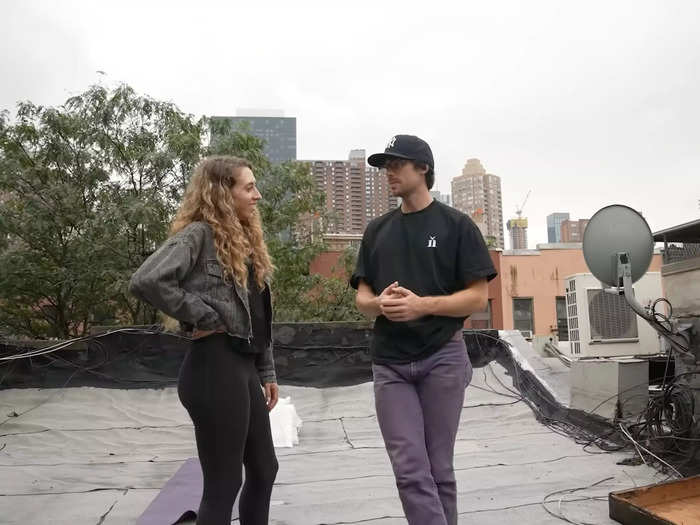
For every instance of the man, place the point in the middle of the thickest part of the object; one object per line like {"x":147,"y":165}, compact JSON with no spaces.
{"x":422,"y":270}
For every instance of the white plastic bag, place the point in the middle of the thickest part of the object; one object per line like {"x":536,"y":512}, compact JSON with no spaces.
{"x":285,"y":424}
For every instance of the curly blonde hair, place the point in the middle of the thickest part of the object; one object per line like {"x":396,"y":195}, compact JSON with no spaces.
{"x":208,"y":198}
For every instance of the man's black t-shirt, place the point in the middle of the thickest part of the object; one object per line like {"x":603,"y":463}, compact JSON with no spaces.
{"x":435,"y":251}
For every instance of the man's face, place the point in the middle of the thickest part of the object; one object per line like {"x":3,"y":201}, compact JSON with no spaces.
{"x":403,"y":177}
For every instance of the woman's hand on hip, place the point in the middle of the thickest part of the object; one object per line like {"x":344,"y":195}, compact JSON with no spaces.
{"x":272,"y":394}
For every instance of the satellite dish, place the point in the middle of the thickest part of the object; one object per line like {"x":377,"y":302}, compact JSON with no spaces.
{"x":618,"y":247}
{"x":612,"y":230}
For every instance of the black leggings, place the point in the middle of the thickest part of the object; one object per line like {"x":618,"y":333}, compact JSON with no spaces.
{"x":220,"y":389}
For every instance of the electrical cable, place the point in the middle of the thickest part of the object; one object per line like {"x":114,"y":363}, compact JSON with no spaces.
{"x":571,"y":491}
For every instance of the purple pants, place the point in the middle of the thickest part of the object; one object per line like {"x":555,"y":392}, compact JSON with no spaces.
{"x":418,"y":408}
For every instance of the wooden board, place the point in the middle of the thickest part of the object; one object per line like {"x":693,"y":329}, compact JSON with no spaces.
{"x":672,"y":503}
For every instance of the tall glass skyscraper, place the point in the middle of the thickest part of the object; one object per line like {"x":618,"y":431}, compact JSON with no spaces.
{"x":554,"y":226}
{"x":279,"y":134}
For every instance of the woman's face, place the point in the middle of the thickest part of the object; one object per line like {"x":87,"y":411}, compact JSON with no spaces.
{"x":245,"y":194}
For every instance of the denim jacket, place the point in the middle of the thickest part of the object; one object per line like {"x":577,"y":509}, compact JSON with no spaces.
{"x":184,"y":279}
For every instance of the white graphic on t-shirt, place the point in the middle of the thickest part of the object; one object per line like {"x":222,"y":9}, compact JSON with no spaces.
{"x":432,"y":242}
{"x":391,"y":143}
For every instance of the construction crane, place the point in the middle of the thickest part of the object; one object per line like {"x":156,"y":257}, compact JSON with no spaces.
{"x":519,"y":210}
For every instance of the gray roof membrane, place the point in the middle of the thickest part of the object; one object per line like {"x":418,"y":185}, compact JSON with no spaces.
{"x":101,"y":455}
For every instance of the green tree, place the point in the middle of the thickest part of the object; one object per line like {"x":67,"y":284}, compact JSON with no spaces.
{"x":149,"y":148}
{"x":88,"y":190}
{"x":336,"y":298}
{"x":51,"y":271}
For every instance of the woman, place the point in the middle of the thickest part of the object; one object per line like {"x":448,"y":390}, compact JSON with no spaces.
{"x":213,"y":276}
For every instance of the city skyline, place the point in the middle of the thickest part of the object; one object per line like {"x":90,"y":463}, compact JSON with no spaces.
{"x":353,"y":203}
{"x":585,"y":105}
{"x":479,"y":195}
{"x":355,"y":192}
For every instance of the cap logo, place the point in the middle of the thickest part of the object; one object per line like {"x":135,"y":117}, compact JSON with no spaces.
{"x":391,"y":143}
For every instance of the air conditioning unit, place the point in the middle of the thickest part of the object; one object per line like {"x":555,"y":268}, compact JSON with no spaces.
{"x":603,"y":324}
{"x":527,"y":334}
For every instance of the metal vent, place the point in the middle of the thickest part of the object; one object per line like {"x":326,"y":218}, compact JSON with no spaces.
{"x":610,"y":316}
{"x":572,"y":312}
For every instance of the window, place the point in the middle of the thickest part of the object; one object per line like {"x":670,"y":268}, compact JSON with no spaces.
{"x":482,"y":320}
{"x":523,"y":318}
{"x":562,"y":323}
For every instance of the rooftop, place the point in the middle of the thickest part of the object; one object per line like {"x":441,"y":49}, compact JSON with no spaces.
{"x":687,"y":232}
{"x":560,"y":246}
{"x":90,"y":455}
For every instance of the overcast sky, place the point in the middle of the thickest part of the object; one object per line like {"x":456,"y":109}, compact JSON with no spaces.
{"x":584,"y":103}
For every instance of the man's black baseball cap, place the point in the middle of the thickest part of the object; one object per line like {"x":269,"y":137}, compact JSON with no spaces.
{"x":407,"y":147}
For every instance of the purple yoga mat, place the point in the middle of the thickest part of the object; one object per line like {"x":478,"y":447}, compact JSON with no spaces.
{"x":179,"y":499}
